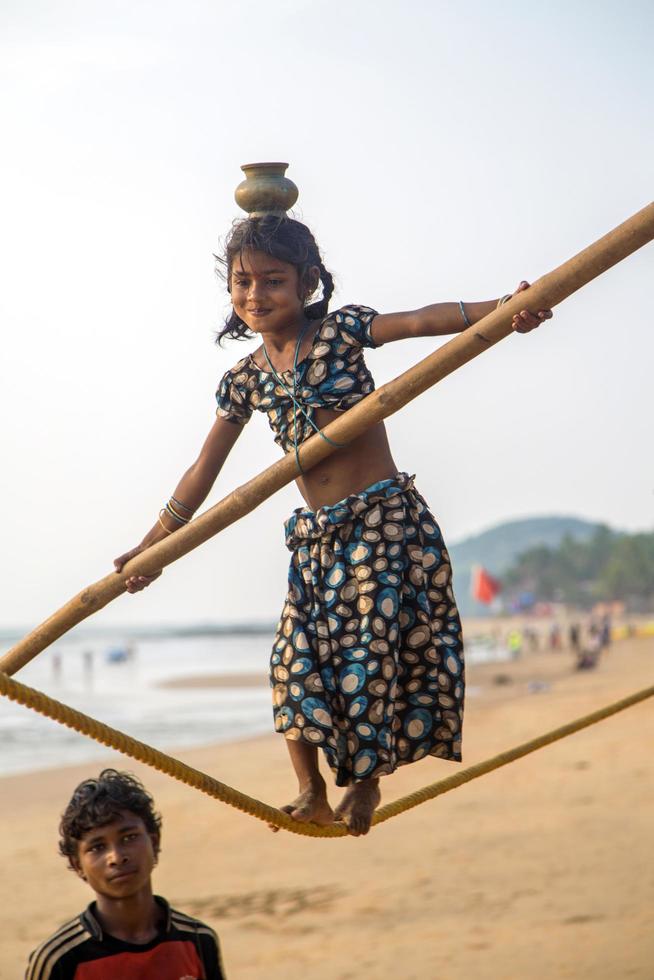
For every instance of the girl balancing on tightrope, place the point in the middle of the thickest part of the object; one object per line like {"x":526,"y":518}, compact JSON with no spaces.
{"x":367,"y":660}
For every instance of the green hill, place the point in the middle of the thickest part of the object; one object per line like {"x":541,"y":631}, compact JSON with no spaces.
{"x":497,"y":548}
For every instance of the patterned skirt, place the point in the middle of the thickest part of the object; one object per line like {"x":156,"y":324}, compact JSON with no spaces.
{"x":367,"y":660}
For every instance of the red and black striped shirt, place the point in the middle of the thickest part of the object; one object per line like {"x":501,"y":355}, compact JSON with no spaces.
{"x":185,"y":949}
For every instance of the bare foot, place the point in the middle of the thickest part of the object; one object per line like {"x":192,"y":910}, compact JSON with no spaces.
{"x":311,"y":806}
{"x":358,"y":805}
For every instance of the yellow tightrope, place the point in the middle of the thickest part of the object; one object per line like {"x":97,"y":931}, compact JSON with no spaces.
{"x":97,"y":730}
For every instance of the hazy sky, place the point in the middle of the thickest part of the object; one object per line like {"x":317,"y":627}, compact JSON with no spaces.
{"x":442,"y":150}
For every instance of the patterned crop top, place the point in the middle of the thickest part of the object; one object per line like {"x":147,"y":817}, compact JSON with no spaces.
{"x":332,"y":375}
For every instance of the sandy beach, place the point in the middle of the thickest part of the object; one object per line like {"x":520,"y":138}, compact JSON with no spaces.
{"x":544,"y":869}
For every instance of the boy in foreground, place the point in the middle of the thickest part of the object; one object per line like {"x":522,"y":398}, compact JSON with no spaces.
{"x":111,"y":834}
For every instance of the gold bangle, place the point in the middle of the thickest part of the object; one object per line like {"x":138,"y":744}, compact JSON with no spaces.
{"x":166,"y":529}
{"x":173,"y":513}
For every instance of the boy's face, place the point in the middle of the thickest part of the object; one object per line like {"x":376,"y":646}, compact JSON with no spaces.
{"x":117,"y":859}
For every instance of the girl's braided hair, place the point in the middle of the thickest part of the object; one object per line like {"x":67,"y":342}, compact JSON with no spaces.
{"x":285,"y":239}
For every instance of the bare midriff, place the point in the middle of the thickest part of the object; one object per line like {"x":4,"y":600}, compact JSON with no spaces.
{"x":364,"y":461}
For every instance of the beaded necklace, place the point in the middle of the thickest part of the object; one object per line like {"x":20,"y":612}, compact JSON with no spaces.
{"x":293,"y":396}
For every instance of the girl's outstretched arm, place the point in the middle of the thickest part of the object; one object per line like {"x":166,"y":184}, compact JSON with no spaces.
{"x":189,"y":494}
{"x":447,"y":318}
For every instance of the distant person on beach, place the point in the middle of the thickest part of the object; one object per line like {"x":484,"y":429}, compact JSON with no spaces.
{"x":111,"y":837}
{"x":555,"y":637}
{"x":367,"y":662}
{"x":87,"y":668}
{"x":574,"y":636}
{"x":591,"y":648}
{"x":514,"y":644}
{"x":531,"y":636}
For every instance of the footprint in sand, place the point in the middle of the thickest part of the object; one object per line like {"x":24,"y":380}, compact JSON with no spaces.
{"x":281,"y":903}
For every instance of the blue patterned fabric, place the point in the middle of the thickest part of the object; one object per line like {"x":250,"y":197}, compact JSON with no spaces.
{"x":332,"y":375}
{"x":367,"y":661}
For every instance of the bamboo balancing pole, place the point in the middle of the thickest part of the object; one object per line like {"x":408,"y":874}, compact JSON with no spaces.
{"x":545,"y":293}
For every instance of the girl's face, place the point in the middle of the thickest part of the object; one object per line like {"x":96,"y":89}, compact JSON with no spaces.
{"x":266,"y":292}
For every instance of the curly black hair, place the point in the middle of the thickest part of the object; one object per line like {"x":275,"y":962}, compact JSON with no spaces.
{"x":284,"y":238}
{"x":96,"y":802}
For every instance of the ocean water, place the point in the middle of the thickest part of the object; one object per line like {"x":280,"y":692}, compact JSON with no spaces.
{"x":83,"y":673}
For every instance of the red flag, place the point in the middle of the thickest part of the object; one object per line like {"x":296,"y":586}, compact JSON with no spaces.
{"x":483,"y":586}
